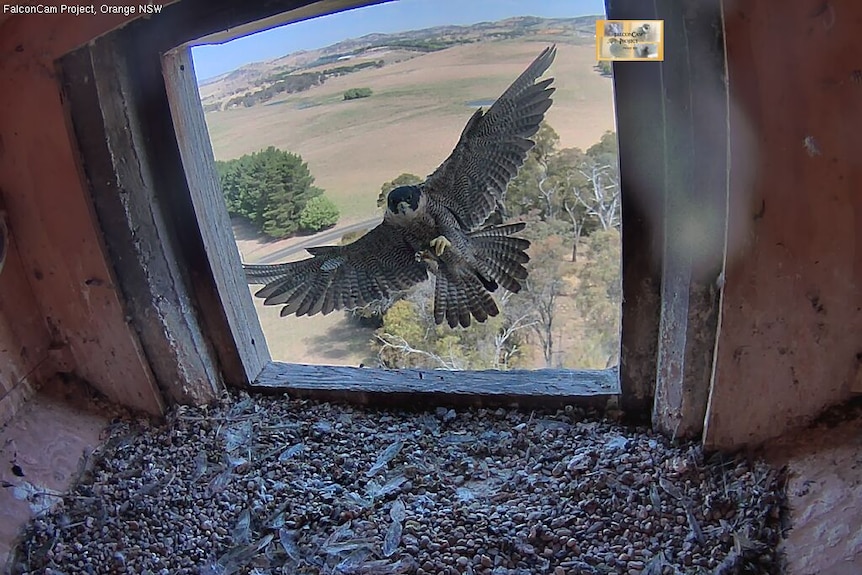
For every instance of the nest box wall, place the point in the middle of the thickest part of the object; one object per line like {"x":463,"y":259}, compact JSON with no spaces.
{"x":790,"y":303}
{"x":790,"y":341}
{"x":57,"y":296}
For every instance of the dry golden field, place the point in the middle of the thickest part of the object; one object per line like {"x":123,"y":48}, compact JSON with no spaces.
{"x":414,"y":117}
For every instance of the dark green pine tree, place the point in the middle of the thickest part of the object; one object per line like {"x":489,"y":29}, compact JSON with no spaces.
{"x":270,"y":188}
{"x":289,"y":187}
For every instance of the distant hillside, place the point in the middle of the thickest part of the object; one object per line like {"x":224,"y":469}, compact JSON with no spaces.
{"x":259,"y":82}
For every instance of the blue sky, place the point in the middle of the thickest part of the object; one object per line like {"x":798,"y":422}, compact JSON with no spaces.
{"x":396,"y":16}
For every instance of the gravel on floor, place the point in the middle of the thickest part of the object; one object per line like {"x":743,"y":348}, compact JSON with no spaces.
{"x":275,"y":485}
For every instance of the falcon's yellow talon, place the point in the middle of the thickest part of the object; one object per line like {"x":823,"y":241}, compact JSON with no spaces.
{"x":440,"y":243}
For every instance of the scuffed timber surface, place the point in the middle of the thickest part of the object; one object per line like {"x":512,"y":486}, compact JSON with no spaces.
{"x":401,"y":386}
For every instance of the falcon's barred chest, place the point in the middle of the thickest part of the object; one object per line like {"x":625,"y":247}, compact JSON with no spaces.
{"x":407,"y":209}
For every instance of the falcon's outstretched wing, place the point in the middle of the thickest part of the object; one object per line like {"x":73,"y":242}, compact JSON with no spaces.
{"x":493,"y":147}
{"x":372,"y":268}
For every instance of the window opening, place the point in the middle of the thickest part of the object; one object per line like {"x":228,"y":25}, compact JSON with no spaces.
{"x":308,"y":142}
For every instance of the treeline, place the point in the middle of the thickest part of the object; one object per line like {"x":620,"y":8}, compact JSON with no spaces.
{"x":429,"y":45}
{"x":275,"y":191}
{"x":342,"y":70}
{"x":288,"y":85}
{"x":291,"y":83}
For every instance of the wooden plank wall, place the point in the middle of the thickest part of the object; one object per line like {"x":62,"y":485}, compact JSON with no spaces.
{"x":24,"y":338}
{"x":672,"y":125}
{"x":61,"y":306}
{"x":133,"y":177}
{"x":695,"y":111}
{"x":790,"y":340}
{"x":242,"y":346}
{"x":791,"y":307}
{"x":639,"y":101}
{"x":57,"y":270}
{"x":539,"y":388}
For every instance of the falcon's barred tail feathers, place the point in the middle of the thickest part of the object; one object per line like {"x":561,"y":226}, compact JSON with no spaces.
{"x":500,"y":257}
{"x":456,"y":298}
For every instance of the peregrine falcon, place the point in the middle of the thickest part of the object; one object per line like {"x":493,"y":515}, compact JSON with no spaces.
{"x":438,"y":225}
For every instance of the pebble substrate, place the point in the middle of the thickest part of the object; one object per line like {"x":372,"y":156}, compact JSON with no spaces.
{"x":276,"y":485}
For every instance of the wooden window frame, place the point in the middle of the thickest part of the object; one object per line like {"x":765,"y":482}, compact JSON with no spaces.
{"x":140,"y":130}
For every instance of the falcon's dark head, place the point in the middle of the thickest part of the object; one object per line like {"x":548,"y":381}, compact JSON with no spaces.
{"x":404,"y":200}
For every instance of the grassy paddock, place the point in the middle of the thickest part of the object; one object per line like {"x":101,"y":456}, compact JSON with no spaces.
{"x":413,"y":118}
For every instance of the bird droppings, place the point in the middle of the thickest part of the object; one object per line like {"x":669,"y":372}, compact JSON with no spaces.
{"x":272,"y":485}
{"x":811,"y":146}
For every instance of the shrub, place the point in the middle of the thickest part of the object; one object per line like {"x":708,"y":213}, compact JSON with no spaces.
{"x":319,"y":213}
{"x":355,"y":93}
{"x":351,"y":237}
